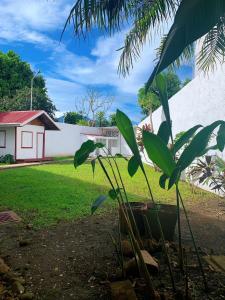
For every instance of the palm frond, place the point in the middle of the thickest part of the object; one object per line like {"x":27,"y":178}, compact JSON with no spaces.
{"x":213,"y":48}
{"x":186,"y":56}
{"x":193,"y":19}
{"x":104,"y":14}
{"x":149,"y":21}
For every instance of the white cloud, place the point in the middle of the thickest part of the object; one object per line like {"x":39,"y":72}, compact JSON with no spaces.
{"x":30,"y":20}
{"x":101,"y":68}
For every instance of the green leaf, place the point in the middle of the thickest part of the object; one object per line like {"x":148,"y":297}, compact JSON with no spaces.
{"x":164,"y":132}
{"x":221,"y":137}
{"x":161,"y":86}
{"x":83,"y":153}
{"x":162,"y":181}
{"x":197,"y":146}
{"x":184,"y":138}
{"x":99,"y":145}
{"x":174,"y":178}
{"x":98,"y":202}
{"x":133,"y":165}
{"x":126,"y":129}
{"x":158,"y":152}
{"x":193,"y":19}
{"x":93,"y":166}
{"x":113,"y":193}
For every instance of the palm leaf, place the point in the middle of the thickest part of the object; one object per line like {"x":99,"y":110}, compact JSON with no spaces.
{"x":213,"y":48}
{"x":193,"y":19}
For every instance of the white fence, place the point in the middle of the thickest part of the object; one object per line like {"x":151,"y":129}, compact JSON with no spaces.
{"x":70,"y":137}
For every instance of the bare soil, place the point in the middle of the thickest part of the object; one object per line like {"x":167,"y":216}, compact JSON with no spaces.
{"x":75,"y":260}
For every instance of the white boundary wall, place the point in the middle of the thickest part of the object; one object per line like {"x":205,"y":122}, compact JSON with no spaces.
{"x":70,"y":138}
{"x":202,"y":101}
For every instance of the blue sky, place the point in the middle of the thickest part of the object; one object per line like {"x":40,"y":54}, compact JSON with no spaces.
{"x":32,"y":28}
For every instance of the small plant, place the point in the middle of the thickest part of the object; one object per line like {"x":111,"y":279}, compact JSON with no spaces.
{"x":210,"y":171}
{"x":7,"y":159}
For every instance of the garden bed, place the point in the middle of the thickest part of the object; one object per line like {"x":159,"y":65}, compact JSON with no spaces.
{"x":76,"y":260}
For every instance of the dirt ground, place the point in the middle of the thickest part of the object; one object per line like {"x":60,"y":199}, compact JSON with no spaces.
{"x":74,"y":260}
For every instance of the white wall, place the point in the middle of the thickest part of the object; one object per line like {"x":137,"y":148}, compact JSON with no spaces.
{"x":70,"y":137}
{"x":67,"y":140}
{"x":202,"y":101}
{"x":10,"y":141}
{"x":28,"y":153}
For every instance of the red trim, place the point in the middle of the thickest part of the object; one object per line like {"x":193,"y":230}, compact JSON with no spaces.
{"x":24,"y":147}
{"x":4,"y":131}
{"x":15,"y":142}
{"x":43,"y":138}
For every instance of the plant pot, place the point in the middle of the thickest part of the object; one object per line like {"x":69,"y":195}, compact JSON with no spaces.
{"x":139,"y":209}
{"x":168,"y":219}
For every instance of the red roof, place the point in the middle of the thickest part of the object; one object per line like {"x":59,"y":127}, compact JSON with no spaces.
{"x":17,"y":117}
{"x":21,"y":118}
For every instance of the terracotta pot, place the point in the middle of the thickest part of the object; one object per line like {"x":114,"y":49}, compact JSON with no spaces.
{"x":168,"y":219}
{"x":139,"y":209}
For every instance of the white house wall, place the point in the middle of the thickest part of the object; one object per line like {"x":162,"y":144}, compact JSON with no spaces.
{"x":9,"y":141}
{"x":28,"y":152}
{"x":202,"y":101}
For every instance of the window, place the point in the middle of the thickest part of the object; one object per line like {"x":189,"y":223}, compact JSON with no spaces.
{"x":113,"y":143}
{"x":99,"y":140}
{"x":26,"y":139}
{"x":2,"y":138}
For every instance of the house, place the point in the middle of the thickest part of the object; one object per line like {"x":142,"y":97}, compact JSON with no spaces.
{"x":22,"y":134}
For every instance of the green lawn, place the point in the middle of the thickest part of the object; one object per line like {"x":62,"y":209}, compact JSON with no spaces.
{"x":46,"y":194}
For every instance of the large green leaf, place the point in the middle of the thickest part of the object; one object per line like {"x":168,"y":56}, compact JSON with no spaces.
{"x":197,"y":146}
{"x":83,"y":153}
{"x":126,"y":129}
{"x":184,"y":138}
{"x":161,"y":86}
{"x":162,"y":181}
{"x":98,"y":202}
{"x":193,"y":19}
{"x":158,"y":152}
{"x":133,"y":165}
{"x":221,"y":137}
{"x":164,"y":132}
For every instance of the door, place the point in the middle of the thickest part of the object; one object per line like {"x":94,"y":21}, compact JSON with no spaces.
{"x":40,"y":145}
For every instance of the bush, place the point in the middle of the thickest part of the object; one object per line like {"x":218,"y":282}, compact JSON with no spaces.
{"x":7,"y":159}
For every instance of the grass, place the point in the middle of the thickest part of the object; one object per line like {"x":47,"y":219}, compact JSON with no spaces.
{"x":46,"y":194}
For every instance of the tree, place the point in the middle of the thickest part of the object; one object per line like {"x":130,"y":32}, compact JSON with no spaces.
{"x":186,"y":81}
{"x":149,"y":101}
{"x":112,"y":119}
{"x":101,"y":120}
{"x":192,"y":19}
{"x":15,"y":81}
{"x":21,"y":101}
{"x":93,"y":103}
{"x":73,"y":117}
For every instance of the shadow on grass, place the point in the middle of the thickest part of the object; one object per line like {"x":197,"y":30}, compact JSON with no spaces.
{"x":45,"y":198}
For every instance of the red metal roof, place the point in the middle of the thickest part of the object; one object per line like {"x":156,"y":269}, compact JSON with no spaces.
{"x":17,"y":117}
{"x":21,"y":118}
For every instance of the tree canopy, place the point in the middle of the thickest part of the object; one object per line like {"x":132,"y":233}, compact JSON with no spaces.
{"x":73,"y":117}
{"x":15,"y":81}
{"x":150,"y":101}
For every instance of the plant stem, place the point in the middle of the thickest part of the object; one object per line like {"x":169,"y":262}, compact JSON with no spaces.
{"x":181,"y":263}
{"x":194,"y":243}
{"x":161,"y":231}
{"x":130,"y":230}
